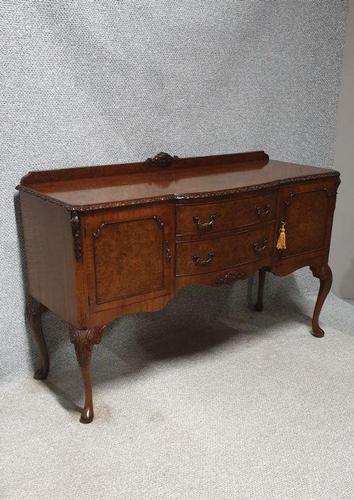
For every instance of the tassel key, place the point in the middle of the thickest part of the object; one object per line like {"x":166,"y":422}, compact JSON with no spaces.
{"x":281,"y":243}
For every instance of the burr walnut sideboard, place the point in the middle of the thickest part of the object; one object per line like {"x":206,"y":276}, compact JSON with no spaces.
{"x":110,"y":240}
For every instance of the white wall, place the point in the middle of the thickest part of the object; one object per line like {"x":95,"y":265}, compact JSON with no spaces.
{"x":342,"y":250}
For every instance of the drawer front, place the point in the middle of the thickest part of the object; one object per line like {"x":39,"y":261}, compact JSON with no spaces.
{"x":197,"y":257}
{"x":224,"y":277}
{"x":223,"y":215}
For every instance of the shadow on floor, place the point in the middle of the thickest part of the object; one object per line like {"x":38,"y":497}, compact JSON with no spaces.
{"x":199,"y":320}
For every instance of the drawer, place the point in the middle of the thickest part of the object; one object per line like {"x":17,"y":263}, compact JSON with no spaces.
{"x":218,"y":278}
{"x":223,"y":215}
{"x":204,"y":256}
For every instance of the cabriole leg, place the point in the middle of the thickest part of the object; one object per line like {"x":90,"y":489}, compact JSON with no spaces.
{"x":324,"y":274}
{"x":34,"y":311}
{"x":261,"y":280}
{"x":84,"y":341}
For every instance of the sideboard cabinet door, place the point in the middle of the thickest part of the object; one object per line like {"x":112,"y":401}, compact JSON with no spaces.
{"x":307,"y":211}
{"x":129,"y":255}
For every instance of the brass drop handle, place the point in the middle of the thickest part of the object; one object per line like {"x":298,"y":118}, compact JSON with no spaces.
{"x":204,"y":226}
{"x":168,"y":251}
{"x":263,"y":211}
{"x":203,"y":262}
{"x":259,"y":247}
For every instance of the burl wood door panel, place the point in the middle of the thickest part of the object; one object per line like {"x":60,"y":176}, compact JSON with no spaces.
{"x":211,"y":217}
{"x":223,"y":252}
{"x":307,"y":210}
{"x":130,"y":255}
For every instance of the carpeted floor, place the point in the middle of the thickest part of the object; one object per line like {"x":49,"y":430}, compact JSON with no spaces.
{"x":239,"y":405}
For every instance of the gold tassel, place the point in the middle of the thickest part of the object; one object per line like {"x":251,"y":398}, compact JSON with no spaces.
{"x":281,"y":243}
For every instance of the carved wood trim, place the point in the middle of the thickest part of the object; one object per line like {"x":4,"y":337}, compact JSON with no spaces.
{"x":96,"y":233}
{"x":76,"y":230}
{"x":159,"y":221}
{"x":161,"y":160}
{"x":229,"y":277}
{"x":181,"y":196}
{"x":156,"y":218}
{"x":84,"y":340}
{"x":329,"y":193}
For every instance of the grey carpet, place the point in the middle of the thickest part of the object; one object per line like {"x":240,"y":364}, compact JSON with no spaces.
{"x":223,"y":404}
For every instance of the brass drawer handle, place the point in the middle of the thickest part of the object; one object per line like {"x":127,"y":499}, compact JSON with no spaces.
{"x":203,"y":262}
{"x":204,"y":226}
{"x":168,"y":251}
{"x":263,"y":211}
{"x":259,"y":247}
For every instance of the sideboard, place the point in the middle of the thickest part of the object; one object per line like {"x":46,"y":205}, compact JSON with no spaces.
{"x":110,"y":240}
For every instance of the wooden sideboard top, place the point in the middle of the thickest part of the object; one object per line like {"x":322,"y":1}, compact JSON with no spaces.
{"x":165,"y":178}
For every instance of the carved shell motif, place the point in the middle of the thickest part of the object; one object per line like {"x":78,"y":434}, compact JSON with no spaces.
{"x":229,"y":278}
{"x":161,"y":160}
